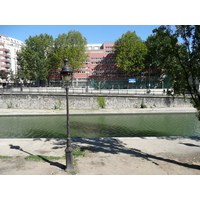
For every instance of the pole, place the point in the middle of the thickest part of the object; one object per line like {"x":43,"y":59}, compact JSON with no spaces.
{"x":68,"y":150}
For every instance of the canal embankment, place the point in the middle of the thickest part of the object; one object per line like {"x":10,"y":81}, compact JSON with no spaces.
{"x":57,"y":101}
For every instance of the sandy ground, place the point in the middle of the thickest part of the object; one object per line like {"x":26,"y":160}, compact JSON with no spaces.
{"x":104,"y":156}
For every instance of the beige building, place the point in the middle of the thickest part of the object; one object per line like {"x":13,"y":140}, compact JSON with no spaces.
{"x":9,"y":47}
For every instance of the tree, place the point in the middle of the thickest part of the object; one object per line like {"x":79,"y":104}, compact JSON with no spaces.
{"x":71,"y":46}
{"x":130,"y":52}
{"x":34,"y":58}
{"x":160,"y":56}
{"x":178,"y":54}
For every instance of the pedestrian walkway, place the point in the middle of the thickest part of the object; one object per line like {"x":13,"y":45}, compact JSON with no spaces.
{"x":104,"y":156}
{"x":98,"y":111}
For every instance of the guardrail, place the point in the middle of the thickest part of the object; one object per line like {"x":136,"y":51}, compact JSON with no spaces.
{"x":83,"y":90}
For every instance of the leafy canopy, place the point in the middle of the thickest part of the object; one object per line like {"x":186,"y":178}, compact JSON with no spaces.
{"x":34,"y":58}
{"x":71,"y":46}
{"x":130,"y":52}
{"x":177,"y":52}
{"x":42,"y":53}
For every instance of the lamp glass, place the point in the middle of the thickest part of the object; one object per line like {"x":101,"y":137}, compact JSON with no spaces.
{"x":67,"y":77}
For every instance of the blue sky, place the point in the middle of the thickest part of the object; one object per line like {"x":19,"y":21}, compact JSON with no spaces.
{"x":93,"y":33}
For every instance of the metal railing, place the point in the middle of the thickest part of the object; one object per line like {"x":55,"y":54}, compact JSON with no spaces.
{"x":84,"y":91}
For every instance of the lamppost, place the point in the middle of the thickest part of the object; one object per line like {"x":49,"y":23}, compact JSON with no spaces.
{"x":66,"y":73}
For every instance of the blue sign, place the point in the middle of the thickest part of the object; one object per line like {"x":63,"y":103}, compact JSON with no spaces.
{"x":133,"y":80}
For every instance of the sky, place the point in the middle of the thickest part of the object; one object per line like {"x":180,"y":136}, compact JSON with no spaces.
{"x":93,"y":33}
{"x":100,"y":22}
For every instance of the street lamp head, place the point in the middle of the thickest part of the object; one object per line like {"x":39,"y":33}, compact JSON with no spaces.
{"x":66,"y":71}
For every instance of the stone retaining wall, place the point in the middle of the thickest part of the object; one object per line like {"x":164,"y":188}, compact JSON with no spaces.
{"x":86,"y":101}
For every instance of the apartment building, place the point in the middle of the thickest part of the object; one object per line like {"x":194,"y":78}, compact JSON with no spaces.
{"x":9,"y":47}
{"x":100,"y":68}
{"x":98,"y":71}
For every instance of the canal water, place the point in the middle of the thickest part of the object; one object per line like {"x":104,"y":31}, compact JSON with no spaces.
{"x":95,"y":126}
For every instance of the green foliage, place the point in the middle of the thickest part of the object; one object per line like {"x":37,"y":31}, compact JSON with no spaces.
{"x":78,"y":152}
{"x":58,"y":105}
{"x":3,"y":74}
{"x":42,"y":53}
{"x":130,"y":52}
{"x":101,"y":102}
{"x":143,"y":104}
{"x":9,"y":105}
{"x":5,"y":156}
{"x":42,"y":158}
{"x":176,"y":53}
{"x":159,"y":48}
{"x":71,"y":46}
{"x":34,"y":58}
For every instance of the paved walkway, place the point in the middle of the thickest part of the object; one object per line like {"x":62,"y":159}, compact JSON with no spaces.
{"x":98,"y":111}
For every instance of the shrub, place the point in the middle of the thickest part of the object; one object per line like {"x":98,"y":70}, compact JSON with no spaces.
{"x":58,"y":105}
{"x":9,"y":105}
{"x":143,"y":106}
{"x":101,"y":101}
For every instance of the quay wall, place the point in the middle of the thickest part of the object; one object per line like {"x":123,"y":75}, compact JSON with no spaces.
{"x":87,"y":101}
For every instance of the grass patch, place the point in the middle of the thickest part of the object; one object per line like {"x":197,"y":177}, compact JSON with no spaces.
{"x":101,"y":101}
{"x":5,"y":156}
{"x":76,"y":153}
{"x":42,"y":158}
{"x":143,"y":106}
{"x":79,"y":152}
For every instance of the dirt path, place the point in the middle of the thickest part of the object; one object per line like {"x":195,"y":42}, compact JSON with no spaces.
{"x":105,"y":156}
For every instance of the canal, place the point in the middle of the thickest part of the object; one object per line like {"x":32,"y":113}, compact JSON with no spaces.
{"x":95,"y":126}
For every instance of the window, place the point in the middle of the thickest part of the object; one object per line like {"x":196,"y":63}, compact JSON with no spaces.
{"x":109,"y":47}
{"x":96,"y":51}
{"x":109,"y":51}
{"x":96,"y":63}
{"x":96,"y":58}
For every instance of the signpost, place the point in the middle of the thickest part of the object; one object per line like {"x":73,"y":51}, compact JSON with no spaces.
{"x":132,"y":80}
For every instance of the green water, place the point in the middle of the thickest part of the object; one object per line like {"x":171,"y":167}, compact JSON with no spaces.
{"x":91,"y":126}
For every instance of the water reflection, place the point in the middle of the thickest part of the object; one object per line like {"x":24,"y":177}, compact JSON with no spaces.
{"x":95,"y":126}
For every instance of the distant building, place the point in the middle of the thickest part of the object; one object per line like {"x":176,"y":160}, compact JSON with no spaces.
{"x":99,"y":71}
{"x":9,"y":47}
{"x":100,"y":68}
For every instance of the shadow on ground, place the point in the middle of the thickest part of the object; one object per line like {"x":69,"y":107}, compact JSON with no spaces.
{"x":56,"y":164}
{"x":115,"y":146}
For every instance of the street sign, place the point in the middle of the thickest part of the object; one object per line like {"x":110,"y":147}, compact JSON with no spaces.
{"x":133,"y":80}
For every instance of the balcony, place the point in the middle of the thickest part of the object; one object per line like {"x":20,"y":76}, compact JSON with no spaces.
{"x":5,"y":60}
{"x":5,"y":55}
{"x":6,"y":50}
{"x":6,"y":66}
{"x":5,"y":71}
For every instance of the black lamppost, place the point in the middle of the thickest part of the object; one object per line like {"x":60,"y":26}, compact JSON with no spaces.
{"x":66,"y":73}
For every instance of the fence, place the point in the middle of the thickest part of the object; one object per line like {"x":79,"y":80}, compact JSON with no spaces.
{"x":84,"y":90}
